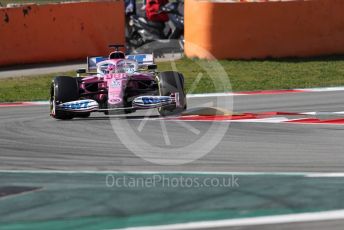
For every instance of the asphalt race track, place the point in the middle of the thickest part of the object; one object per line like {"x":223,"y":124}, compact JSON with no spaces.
{"x":31,"y":140}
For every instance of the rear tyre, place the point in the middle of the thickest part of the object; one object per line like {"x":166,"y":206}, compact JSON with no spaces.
{"x":63,"y":89}
{"x":172,"y":82}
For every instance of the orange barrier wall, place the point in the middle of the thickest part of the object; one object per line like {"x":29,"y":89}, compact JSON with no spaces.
{"x":59,"y":32}
{"x":259,"y":30}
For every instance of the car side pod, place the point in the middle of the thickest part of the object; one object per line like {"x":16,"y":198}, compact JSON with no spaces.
{"x":87,"y":105}
{"x":151,"y":102}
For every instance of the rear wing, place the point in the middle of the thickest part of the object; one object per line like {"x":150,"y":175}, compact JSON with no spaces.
{"x":92,"y":63}
{"x":142,"y":60}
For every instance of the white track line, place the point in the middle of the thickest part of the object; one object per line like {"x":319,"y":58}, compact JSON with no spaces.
{"x":305,"y":90}
{"x":263,"y":120}
{"x":253,"y":221}
{"x":304,"y":174}
{"x":38,"y":102}
{"x":209,"y":95}
{"x":318,"y":175}
{"x":322,"y":113}
{"x":324,"y":89}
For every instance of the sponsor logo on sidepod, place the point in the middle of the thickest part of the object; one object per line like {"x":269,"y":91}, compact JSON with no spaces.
{"x":115,"y":83}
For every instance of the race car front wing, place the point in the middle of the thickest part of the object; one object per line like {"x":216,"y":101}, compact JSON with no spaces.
{"x":142,"y":102}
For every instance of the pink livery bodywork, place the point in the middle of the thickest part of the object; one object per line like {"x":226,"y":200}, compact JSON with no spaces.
{"x":112,"y":83}
{"x":116,"y":86}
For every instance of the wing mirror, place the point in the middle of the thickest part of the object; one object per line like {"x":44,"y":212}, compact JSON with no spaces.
{"x":80,"y":71}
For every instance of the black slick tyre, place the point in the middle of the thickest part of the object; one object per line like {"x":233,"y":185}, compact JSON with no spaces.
{"x":63,"y":89}
{"x":171,"y":82}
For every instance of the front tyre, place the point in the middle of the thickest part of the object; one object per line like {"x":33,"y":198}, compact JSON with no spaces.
{"x":171,"y":82}
{"x":63,"y":89}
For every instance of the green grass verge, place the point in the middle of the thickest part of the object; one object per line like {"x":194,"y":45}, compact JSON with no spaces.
{"x":29,"y":88}
{"x":243,"y":75}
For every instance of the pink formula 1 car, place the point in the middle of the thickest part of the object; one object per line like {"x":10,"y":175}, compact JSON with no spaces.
{"x":117,"y":84}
